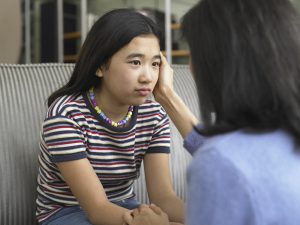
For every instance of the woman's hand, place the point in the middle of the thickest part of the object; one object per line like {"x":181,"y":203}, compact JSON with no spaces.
{"x":164,"y":85}
{"x":146,"y":215}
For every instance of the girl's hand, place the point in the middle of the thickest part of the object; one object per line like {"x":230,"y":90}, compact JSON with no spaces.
{"x":157,"y":210}
{"x":147,"y":215}
{"x":128,"y":217}
{"x":164,"y":85}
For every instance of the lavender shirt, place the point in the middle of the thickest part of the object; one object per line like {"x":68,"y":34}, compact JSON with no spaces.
{"x":243,"y":178}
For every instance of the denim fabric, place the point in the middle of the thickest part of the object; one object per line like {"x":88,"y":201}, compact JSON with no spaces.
{"x":75,"y":215}
{"x":128,"y":203}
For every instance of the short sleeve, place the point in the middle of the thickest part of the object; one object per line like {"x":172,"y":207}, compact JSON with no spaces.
{"x":218,"y":193}
{"x":160,"y":141}
{"x":193,"y":141}
{"x":64,"y":139}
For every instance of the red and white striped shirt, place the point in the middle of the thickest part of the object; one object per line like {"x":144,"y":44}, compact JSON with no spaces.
{"x":73,"y":130}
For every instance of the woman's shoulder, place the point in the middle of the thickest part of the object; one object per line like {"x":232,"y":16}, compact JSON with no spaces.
{"x":240,"y":139}
{"x":243,"y":147}
{"x":238,"y":164}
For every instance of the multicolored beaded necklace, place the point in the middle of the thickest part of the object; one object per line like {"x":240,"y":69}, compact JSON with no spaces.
{"x":101,"y":114}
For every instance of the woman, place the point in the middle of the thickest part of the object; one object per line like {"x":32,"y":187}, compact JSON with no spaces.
{"x":100,"y":127}
{"x":246,"y":156}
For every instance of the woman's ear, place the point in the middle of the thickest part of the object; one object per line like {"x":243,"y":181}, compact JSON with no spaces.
{"x":99,"y":73}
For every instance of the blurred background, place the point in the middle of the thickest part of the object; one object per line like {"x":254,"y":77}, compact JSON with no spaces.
{"x":45,"y":31}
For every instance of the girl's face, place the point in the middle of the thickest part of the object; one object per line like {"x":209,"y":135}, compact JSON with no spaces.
{"x":132,"y":72}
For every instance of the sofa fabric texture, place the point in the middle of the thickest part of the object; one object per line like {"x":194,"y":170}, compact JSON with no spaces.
{"x":23,"y":94}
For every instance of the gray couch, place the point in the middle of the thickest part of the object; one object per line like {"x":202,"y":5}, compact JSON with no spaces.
{"x":23,"y":93}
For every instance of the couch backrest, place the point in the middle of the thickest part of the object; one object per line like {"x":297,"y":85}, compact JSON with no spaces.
{"x":23,"y":93}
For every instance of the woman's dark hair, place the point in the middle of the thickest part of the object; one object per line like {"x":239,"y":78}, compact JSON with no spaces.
{"x":245,"y":57}
{"x":108,"y":35}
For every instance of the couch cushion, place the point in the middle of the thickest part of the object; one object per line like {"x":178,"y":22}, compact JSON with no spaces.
{"x":23,"y":93}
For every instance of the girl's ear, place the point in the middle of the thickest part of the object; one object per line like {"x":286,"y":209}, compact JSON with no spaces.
{"x":99,"y":73}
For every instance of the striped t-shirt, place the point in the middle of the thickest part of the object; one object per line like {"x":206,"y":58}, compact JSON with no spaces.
{"x":72,"y":130}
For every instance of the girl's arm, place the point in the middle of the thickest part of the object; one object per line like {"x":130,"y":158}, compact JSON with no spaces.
{"x":88,"y":190}
{"x":176,"y":109}
{"x":159,"y":186}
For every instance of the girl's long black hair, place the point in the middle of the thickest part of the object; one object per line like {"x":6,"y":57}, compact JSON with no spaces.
{"x":109,"y":34}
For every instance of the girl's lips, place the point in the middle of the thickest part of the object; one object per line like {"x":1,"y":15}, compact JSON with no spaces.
{"x":144,"y":92}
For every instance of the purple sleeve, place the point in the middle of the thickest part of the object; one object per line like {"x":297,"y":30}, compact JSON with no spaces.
{"x":193,"y":141}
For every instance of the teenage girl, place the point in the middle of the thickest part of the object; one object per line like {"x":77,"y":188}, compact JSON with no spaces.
{"x":100,"y":127}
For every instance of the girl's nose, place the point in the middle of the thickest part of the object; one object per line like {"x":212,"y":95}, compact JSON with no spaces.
{"x":146,"y":75}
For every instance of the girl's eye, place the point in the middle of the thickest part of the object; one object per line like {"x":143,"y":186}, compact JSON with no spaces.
{"x":135,"y":62}
{"x":156,"y":64}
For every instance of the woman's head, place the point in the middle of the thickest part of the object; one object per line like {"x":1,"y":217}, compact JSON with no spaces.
{"x":109,"y":34}
{"x":245,"y":59}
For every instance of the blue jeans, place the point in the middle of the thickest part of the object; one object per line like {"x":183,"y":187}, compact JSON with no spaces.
{"x":75,"y":215}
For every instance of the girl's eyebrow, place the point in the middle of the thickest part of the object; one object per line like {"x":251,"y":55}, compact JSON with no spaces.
{"x":134,"y":55}
{"x":157,"y":57}
{"x":139,"y":55}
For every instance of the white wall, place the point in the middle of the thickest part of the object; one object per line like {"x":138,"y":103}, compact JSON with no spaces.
{"x":10,"y":31}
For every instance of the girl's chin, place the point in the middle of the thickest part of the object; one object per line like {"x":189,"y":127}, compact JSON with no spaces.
{"x":139,"y":102}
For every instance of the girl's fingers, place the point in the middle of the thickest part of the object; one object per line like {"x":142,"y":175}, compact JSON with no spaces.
{"x":163,"y":59}
{"x":138,"y":210}
{"x":128,"y":218}
{"x":155,"y":209}
{"x":135,"y":212}
{"x":164,"y":62}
